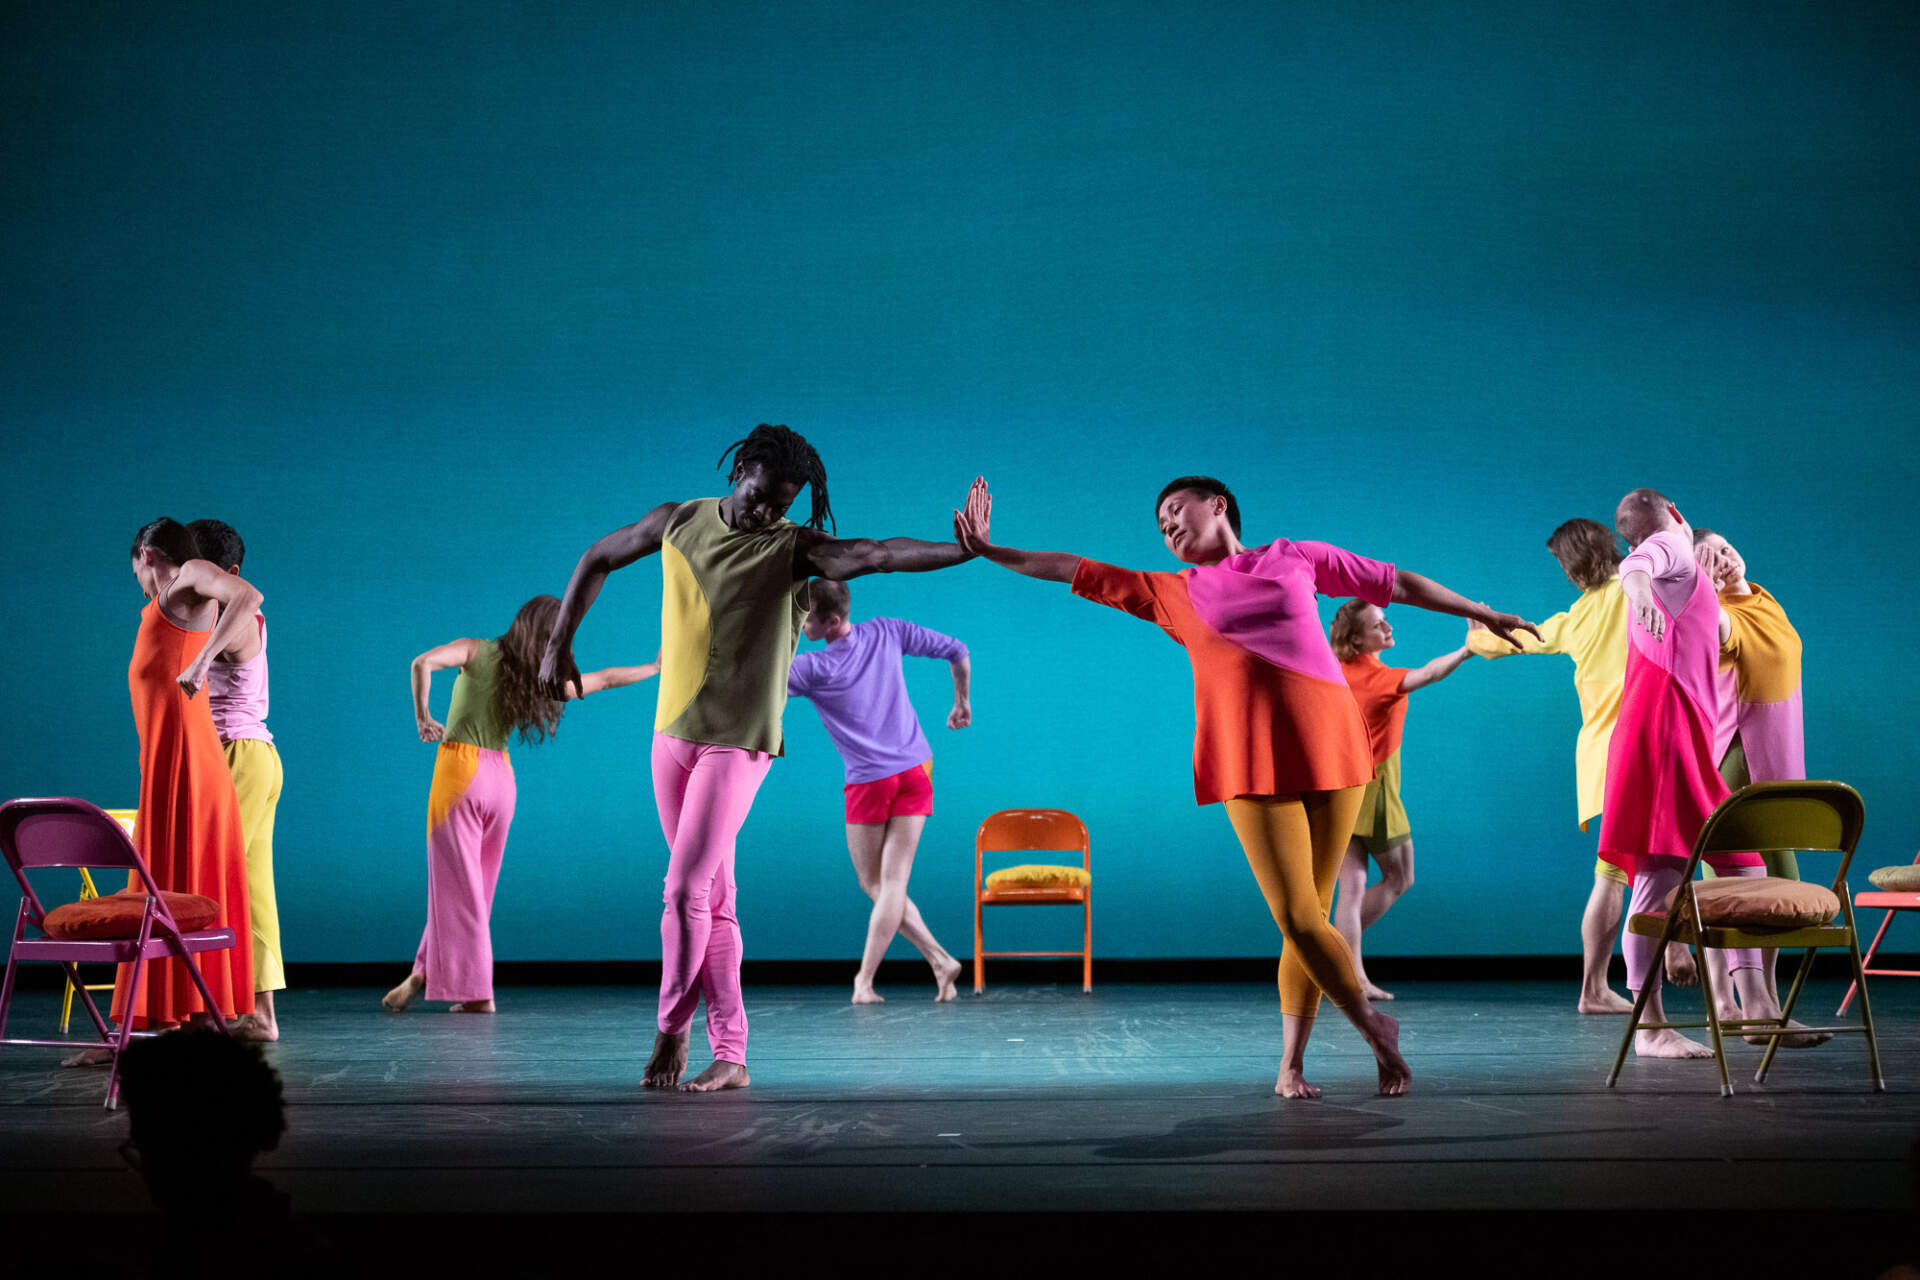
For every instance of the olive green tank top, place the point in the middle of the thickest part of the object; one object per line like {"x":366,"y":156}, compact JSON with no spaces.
{"x":730,"y":615}
{"x":474,"y":717}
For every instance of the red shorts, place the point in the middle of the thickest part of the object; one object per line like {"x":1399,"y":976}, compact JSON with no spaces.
{"x":908,"y":793}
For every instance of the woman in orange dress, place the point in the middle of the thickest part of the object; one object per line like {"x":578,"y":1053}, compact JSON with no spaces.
{"x":189,"y":824}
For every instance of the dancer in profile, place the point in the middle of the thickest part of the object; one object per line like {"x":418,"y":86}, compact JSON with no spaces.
{"x":1360,"y":633}
{"x":1279,"y":739}
{"x":858,"y":688}
{"x":237,"y":696}
{"x":471,"y":805}
{"x":1663,"y":778}
{"x":734,"y":571}
{"x":1593,"y":632}
{"x":1761,"y":737}
{"x":188,"y":828}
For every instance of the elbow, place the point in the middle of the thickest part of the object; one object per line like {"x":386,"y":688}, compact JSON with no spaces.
{"x":1402,"y":586}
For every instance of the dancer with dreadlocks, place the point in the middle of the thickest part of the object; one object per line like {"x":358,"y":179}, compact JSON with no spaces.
{"x":734,"y":571}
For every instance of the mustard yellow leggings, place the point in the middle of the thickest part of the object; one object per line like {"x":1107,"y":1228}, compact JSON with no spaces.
{"x":1294,"y":845}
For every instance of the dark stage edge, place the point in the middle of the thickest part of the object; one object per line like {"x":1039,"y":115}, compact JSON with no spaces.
{"x":1143,"y":1113}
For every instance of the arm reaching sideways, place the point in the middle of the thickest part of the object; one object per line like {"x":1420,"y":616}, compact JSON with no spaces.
{"x":455,"y":653}
{"x":1424,"y":593}
{"x":615,"y":551}
{"x":614,"y":678}
{"x":239,"y":601}
{"x":820,"y":555}
{"x":1435,"y":671}
{"x":972,"y":530}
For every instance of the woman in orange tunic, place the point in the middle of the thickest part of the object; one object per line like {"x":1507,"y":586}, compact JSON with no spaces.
{"x":189,"y":824}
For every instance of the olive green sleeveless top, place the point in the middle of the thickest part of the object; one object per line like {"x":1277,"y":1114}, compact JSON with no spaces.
{"x":474,"y":717}
{"x":730,"y":615}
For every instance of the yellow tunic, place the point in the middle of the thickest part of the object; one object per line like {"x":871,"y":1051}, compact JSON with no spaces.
{"x":1593,"y":632}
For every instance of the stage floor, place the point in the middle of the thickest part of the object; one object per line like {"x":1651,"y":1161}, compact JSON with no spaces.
{"x":1136,"y":1097}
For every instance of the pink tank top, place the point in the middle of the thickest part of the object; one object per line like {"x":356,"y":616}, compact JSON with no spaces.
{"x":237,"y":695}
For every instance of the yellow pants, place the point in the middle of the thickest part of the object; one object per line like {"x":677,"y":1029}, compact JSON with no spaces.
{"x":1294,"y":845}
{"x":255,"y":766}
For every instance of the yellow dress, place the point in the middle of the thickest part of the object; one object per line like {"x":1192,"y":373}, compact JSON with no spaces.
{"x":1593,"y":632}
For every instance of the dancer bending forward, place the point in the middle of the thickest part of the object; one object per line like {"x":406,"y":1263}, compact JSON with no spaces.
{"x":1278,"y":739}
{"x":858,"y":688}
{"x":1662,"y":779}
{"x":1359,"y":635}
{"x":471,"y":805}
{"x":733,"y":573}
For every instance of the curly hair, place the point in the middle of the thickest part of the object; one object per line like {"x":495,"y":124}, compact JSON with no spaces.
{"x":1344,"y":632}
{"x":785,"y":453}
{"x":1206,"y":487}
{"x":1588,"y":551}
{"x":522,"y":707}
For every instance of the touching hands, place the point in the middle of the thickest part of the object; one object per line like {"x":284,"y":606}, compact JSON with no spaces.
{"x":1505,"y":625}
{"x":961,"y":716}
{"x":972,"y":525}
{"x":559,"y":676}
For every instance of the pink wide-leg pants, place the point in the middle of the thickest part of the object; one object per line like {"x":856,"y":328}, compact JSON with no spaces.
{"x":463,"y":865}
{"x":704,"y":792}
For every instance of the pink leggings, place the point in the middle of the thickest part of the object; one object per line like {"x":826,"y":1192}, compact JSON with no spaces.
{"x":704,"y":792}
{"x":1655,"y":878}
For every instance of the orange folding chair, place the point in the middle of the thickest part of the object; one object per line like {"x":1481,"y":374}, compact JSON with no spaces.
{"x":1897,"y":889}
{"x":1032,"y":884}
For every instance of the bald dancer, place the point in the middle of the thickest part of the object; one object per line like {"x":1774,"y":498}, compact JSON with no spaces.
{"x":1662,"y":775}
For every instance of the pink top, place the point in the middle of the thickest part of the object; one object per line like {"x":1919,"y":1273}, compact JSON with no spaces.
{"x":237,"y":695}
{"x":1263,"y":600}
{"x":1689,"y":652}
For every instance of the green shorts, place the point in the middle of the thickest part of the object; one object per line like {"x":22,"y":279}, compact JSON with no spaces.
{"x":1382,"y":823}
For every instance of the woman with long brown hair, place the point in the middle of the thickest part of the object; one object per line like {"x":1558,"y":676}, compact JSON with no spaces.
{"x":471,"y":805}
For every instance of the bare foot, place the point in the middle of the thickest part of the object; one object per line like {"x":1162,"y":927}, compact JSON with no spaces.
{"x":1376,"y":993}
{"x":944,"y":976}
{"x":471,"y":1006}
{"x":1605,"y":1002}
{"x":1667,"y":1044}
{"x":1292,"y":1084}
{"x":95,"y":1057}
{"x":251,"y":1026}
{"x":1807,"y":1041}
{"x":865,"y":994}
{"x":721,"y":1075}
{"x":668,"y":1063}
{"x":405,"y":994}
{"x":1681,"y":970}
{"x":1396,"y":1077}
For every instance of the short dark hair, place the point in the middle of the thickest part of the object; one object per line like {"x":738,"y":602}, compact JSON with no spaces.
{"x":1587,"y":550}
{"x":218,"y":542}
{"x":1207,"y":487}
{"x":830,"y":596}
{"x":1642,"y":508}
{"x":169,"y":537}
{"x":787,"y":454}
{"x":1701,"y":535}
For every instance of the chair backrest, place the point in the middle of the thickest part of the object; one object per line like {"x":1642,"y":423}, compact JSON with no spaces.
{"x":1798,"y":817}
{"x":1019,"y":830}
{"x":64,"y":832}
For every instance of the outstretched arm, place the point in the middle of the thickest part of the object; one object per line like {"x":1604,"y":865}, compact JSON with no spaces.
{"x":822,"y":556}
{"x":972,"y":530}
{"x":239,"y":602}
{"x":455,"y":653}
{"x":1435,"y":671}
{"x":1424,"y":593}
{"x":615,"y":551}
{"x":615,"y":678}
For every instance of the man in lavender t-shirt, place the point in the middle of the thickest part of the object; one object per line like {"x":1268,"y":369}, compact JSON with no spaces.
{"x":858,"y":688}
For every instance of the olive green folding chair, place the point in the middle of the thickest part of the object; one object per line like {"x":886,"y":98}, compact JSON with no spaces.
{"x":1721,"y":914}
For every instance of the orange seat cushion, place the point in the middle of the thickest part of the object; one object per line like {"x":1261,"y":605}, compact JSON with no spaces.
{"x":1767,"y":902}
{"x":1897,"y":879}
{"x":1039,"y":877}
{"x":117,"y":915}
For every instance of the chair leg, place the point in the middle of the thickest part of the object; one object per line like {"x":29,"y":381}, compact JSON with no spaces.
{"x":979,"y":945}
{"x":6,"y":993}
{"x":1866,"y":1001}
{"x":126,"y":1033}
{"x":1786,"y":1014}
{"x":1707,"y":955}
{"x":1633,"y":1020}
{"x":1086,"y":954}
{"x":66,"y":1007}
{"x":1867,"y":963}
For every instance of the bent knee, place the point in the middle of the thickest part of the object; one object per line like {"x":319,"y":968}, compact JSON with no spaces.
{"x":686,"y":900}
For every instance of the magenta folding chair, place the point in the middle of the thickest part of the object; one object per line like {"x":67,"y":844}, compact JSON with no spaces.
{"x":64,"y":832}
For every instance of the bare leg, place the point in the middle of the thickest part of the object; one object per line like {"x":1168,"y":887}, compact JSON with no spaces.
{"x":883,"y":860}
{"x":865,"y":842}
{"x":1664,"y":1044}
{"x":258,"y":1025}
{"x":1396,"y":877}
{"x":1346,"y":916}
{"x":1598,"y":925}
{"x":1294,"y":1031}
{"x":1655,"y":878}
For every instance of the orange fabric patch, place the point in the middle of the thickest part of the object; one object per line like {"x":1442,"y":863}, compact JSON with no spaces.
{"x":453,"y":769}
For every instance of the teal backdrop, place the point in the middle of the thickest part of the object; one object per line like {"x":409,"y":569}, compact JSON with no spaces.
{"x":423,"y":298}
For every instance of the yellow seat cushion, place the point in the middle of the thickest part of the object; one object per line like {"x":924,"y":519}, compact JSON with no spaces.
{"x":1763,"y":901}
{"x":1033,"y":876}
{"x":1897,"y":879}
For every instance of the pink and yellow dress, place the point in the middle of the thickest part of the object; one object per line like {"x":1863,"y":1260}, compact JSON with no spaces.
{"x":1663,"y":778}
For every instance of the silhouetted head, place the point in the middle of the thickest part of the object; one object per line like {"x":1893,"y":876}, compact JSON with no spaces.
{"x":200,"y":1107}
{"x":1199,"y":519}
{"x":217,"y":541}
{"x":1588,"y":552}
{"x":768,"y":470}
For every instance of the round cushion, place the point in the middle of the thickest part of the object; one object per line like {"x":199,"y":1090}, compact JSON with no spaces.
{"x":1897,"y":879}
{"x":117,"y":915}
{"x":1759,"y":901}
{"x":1039,"y":877}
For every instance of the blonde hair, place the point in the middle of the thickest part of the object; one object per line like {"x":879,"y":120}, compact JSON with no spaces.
{"x":1344,"y":633}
